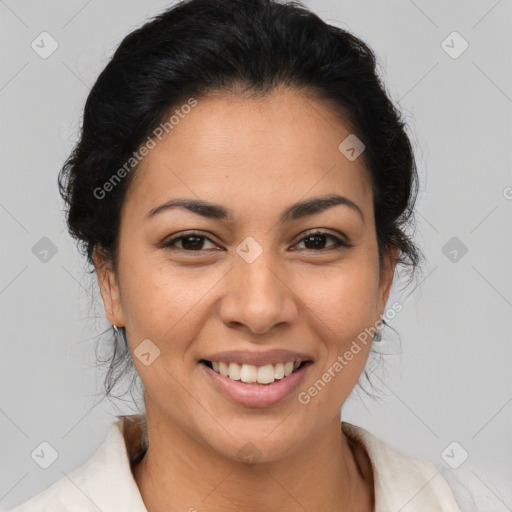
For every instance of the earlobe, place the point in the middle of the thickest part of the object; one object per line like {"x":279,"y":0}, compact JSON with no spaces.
{"x":109,"y":288}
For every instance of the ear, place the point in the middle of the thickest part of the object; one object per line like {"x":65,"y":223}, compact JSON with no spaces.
{"x":109,"y":288}
{"x":386,"y":277}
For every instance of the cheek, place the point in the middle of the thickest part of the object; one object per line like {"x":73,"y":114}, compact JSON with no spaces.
{"x":164,"y":306}
{"x":344,"y":316}
{"x":345,"y":298}
{"x":161,"y":301}
{"x":345,"y":312}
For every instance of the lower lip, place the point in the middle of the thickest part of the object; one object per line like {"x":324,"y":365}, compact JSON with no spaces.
{"x":253,"y":394}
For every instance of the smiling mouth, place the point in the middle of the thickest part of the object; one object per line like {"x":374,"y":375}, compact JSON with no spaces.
{"x":256,"y":375}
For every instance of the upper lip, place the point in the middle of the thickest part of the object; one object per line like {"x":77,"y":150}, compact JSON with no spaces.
{"x":258,"y":358}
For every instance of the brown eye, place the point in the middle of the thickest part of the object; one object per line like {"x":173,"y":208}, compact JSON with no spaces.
{"x":316,"y":241}
{"x":189,"y":242}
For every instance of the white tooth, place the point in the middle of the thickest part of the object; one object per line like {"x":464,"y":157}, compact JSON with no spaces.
{"x":266,"y":374}
{"x":248,"y":373}
{"x":223,"y":369}
{"x":234,"y":371}
{"x":279,"y":371}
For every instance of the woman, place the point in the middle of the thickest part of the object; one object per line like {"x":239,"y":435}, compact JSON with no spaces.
{"x":242,"y":186}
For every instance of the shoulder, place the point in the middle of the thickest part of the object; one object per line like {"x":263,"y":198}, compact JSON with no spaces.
{"x":402,"y":482}
{"x":105,"y":482}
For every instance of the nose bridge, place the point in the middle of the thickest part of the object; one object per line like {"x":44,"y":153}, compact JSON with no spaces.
{"x":256,"y":295}
{"x":259,"y":277}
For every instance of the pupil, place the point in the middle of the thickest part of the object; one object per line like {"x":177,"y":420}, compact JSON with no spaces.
{"x":317,"y":244}
{"x":193,"y":245}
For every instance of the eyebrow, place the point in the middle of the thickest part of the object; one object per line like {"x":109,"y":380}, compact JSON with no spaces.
{"x":294,"y":212}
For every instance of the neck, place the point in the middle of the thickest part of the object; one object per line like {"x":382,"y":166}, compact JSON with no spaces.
{"x":180,"y":472}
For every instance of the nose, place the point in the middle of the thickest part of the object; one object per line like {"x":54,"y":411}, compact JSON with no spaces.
{"x":258,"y":297}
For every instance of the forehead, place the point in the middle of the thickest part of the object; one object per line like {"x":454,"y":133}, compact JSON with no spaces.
{"x":251,"y":152}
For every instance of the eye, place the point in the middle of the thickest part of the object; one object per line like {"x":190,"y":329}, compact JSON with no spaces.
{"x":189,"y":242}
{"x":317,"y":241}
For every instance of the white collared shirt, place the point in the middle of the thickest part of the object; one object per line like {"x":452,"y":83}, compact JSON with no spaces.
{"x":105,"y":482}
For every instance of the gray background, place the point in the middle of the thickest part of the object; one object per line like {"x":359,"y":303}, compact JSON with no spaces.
{"x":452,"y":380}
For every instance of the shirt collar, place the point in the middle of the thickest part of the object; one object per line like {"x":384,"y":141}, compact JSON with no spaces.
{"x":401,"y":482}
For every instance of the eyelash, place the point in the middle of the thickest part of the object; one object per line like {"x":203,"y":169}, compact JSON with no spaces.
{"x":340,"y":244}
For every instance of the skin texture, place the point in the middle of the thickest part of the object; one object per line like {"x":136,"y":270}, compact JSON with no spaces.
{"x":254,"y":156}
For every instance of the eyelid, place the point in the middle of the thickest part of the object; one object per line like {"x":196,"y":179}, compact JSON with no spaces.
{"x":341,"y":238}
{"x":175,"y":238}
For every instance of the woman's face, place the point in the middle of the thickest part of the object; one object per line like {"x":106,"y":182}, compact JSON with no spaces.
{"x":252,"y":278}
